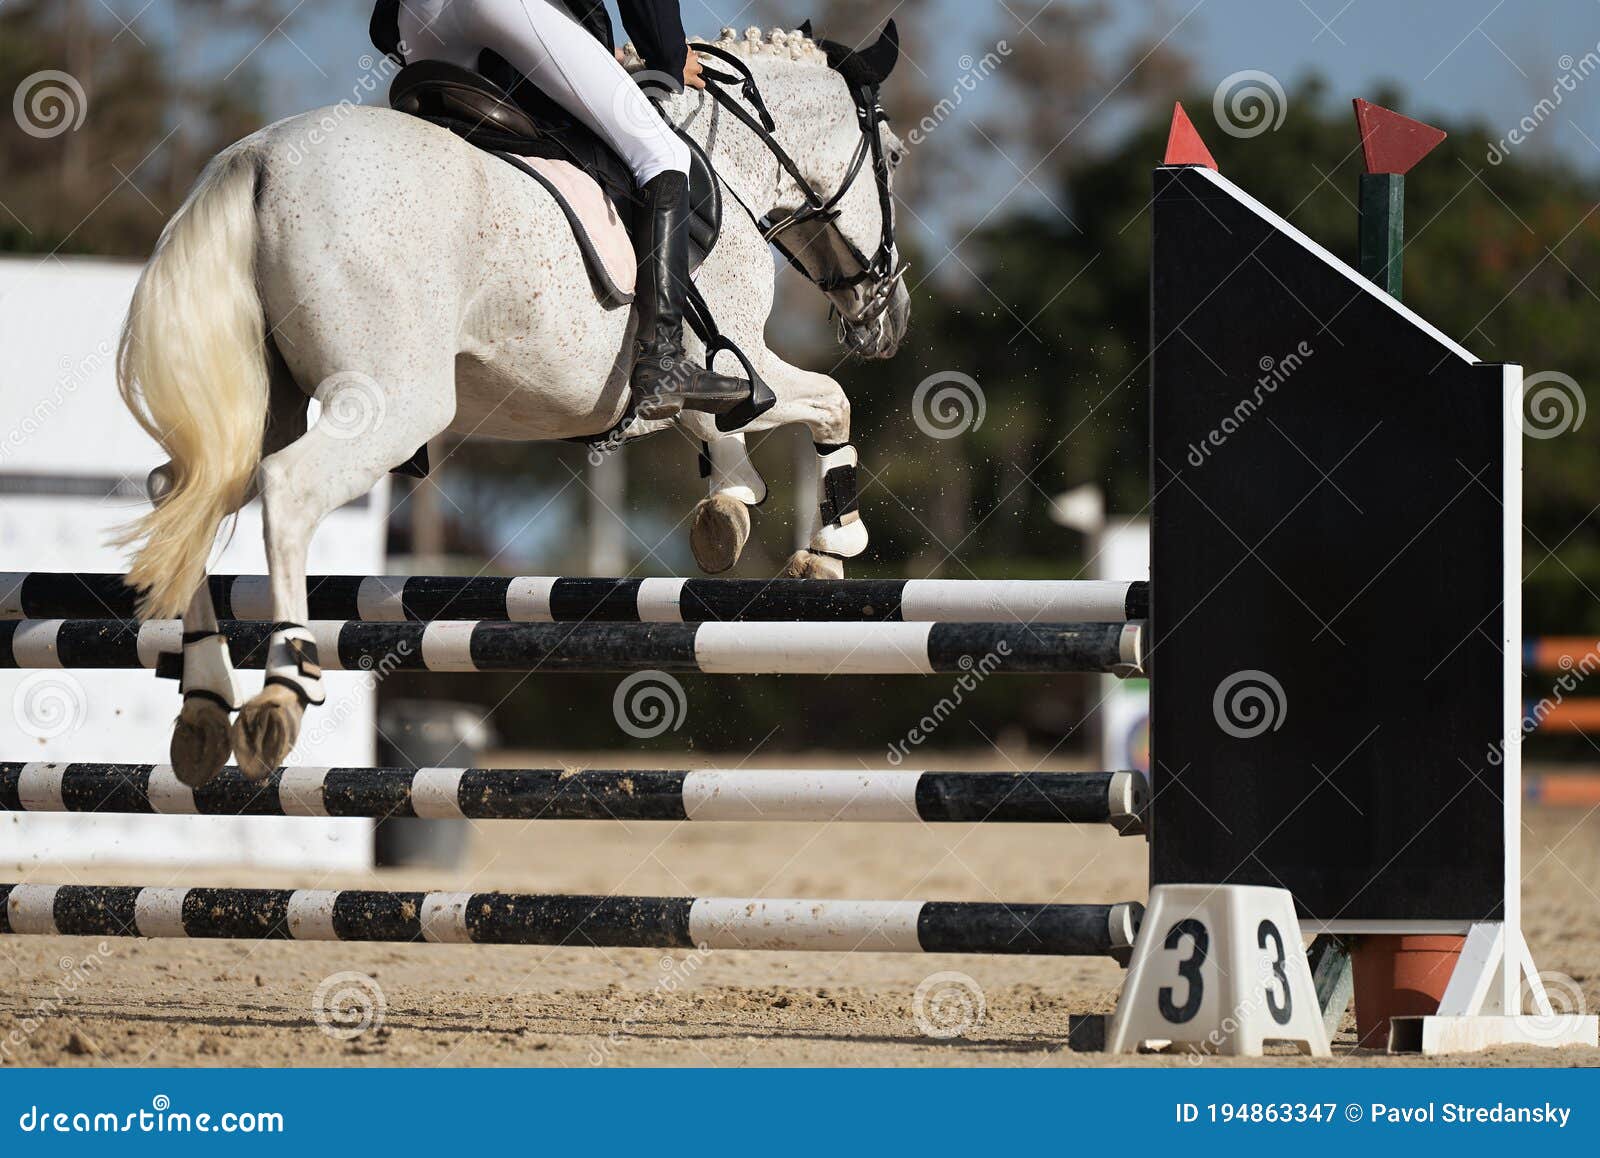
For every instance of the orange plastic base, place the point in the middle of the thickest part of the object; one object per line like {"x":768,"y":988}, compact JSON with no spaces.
{"x":1399,"y":977}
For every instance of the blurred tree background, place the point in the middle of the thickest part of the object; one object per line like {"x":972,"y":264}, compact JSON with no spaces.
{"x":1026,"y":226}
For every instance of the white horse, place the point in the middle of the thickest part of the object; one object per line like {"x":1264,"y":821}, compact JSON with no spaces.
{"x":414,"y":285}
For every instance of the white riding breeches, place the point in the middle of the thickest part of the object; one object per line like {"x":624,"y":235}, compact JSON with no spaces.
{"x":561,"y":58}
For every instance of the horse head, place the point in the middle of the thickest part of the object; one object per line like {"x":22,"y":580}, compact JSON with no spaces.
{"x":876,"y":311}
{"x":831,"y":211}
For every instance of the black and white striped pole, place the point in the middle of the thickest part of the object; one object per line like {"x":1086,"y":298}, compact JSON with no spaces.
{"x":1117,"y":799}
{"x":711,"y":648}
{"x":574,"y":921}
{"x":554,"y":599}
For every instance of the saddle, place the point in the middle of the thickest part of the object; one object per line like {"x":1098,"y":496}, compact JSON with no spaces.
{"x":497,"y":109}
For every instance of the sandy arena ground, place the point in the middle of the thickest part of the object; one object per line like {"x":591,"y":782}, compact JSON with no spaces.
{"x":152,"y":1003}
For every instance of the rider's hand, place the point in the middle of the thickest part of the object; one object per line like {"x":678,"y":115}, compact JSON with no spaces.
{"x":692,"y":71}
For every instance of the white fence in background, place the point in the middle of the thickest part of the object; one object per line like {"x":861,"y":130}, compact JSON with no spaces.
{"x":72,"y":469}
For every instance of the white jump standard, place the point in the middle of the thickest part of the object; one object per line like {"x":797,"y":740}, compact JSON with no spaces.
{"x":578,"y":921}
{"x":1115,"y":798}
{"x":538,"y":599}
{"x":713,"y":648}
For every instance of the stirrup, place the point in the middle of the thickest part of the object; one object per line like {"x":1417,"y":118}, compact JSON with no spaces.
{"x":760,"y":399}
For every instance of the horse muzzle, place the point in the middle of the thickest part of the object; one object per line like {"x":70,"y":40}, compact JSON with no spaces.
{"x":877,"y":328}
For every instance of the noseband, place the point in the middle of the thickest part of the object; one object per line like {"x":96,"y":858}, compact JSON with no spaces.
{"x":870,"y":117}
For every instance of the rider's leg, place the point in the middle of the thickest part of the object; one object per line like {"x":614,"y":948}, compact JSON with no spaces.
{"x":664,"y":380}
{"x":574,"y":69}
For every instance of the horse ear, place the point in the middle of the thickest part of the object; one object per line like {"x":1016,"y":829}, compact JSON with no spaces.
{"x":870,"y":66}
{"x":840,"y":57}
{"x":878,"y":61}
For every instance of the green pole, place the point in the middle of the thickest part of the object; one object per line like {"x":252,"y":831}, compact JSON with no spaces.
{"x":1383,"y":214}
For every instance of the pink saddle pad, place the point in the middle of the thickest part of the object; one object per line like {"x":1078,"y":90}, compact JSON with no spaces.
{"x":598,"y":216}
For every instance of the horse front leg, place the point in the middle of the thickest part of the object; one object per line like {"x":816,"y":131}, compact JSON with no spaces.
{"x":817,"y":402}
{"x":840,"y":532}
{"x":721,"y":523}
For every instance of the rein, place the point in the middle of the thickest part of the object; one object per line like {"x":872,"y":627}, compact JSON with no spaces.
{"x":870,"y":117}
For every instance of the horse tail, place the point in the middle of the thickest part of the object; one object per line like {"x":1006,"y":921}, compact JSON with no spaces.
{"x":192,"y":368}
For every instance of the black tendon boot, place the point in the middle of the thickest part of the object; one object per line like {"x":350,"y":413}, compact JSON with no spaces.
{"x":664,"y":381}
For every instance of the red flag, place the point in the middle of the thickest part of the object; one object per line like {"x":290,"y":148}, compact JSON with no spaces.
{"x":1184,"y":146}
{"x":1390,"y":142}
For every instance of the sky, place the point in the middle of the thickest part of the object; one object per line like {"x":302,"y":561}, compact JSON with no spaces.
{"x":1452,"y":58}
{"x":1491,"y":58}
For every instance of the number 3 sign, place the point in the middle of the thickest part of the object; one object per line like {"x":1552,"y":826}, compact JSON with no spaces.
{"x":1219,"y":969}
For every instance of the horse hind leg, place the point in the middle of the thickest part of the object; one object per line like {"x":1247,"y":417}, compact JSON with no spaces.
{"x":200,"y":743}
{"x":200,"y":739}
{"x":364,"y":431}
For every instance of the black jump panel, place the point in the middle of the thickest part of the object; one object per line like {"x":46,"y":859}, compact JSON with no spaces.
{"x":1327,"y":537}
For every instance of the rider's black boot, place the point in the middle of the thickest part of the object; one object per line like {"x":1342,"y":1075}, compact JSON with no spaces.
{"x":664,"y":380}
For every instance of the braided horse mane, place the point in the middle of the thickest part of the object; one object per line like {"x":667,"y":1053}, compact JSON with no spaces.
{"x":779,"y":42}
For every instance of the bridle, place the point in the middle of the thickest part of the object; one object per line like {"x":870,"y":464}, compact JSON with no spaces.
{"x":880,"y":266}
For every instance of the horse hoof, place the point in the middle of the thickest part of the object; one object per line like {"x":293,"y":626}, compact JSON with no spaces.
{"x":720,"y":531}
{"x":200,"y":741}
{"x":266,"y":730}
{"x":810,"y":565}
